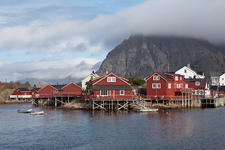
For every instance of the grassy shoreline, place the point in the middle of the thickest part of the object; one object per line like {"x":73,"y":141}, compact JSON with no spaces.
{"x":8,"y":102}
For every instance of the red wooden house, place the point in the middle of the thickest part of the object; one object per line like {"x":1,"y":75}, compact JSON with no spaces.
{"x":68,"y":90}
{"x":111,"y":86}
{"x":21,"y":93}
{"x":165,"y":86}
{"x":173,"y":86}
{"x":34,"y":92}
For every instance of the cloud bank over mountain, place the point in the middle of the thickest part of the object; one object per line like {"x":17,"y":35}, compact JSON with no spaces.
{"x":89,"y":37}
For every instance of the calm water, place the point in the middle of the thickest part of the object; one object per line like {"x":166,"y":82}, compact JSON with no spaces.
{"x":82,"y":130}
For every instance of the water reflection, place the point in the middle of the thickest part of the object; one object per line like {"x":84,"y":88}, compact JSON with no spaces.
{"x":75,"y":129}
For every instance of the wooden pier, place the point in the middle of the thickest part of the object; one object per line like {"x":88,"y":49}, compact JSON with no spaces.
{"x":111,"y":104}
{"x":212,"y":102}
{"x":53,"y":101}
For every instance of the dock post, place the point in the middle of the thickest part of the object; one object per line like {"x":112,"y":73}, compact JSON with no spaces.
{"x":55,"y":103}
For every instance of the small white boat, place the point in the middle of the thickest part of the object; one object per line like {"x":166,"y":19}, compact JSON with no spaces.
{"x":145,"y":109}
{"x":38,"y":113}
{"x":24,"y":110}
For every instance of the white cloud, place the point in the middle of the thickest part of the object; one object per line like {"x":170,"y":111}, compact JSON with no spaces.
{"x":196,"y":18}
{"x":57,"y":69}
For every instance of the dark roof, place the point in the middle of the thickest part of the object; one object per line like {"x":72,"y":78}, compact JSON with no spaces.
{"x":166,"y":77}
{"x":217,"y":88}
{"x":23,"y":89}
{"x":112,"y":87}
{"x":191,"y":79}
{"x":59,"y":87}
{"x":36,"y":89}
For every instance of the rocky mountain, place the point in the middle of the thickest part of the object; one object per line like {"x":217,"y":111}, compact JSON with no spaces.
{"x":141,"y":55}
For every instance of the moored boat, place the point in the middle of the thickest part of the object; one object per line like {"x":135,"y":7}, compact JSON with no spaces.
{"x":24,"y":110}
{"x":145,"y":109}
{"x":38,"y":113}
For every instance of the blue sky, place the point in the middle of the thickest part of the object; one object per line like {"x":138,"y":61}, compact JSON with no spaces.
{"x":54,"y":39}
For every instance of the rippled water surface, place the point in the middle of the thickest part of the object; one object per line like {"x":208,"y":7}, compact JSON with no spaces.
{"x":82,"y":130}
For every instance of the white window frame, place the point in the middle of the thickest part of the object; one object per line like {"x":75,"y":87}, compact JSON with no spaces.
{"x":197,"y":83}
{"x":156,"y":78}
{"x":101,"y":93}
{"x":123,"y":92}
{"x":111,"y":79}
{"x":186,"y":86}
{"x":156,"y":85}
{"x":176,"y":78}
{"x":169,"y":85}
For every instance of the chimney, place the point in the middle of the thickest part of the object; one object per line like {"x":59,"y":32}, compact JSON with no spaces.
{"x":189,"y":66}
{"x":106,"y":72}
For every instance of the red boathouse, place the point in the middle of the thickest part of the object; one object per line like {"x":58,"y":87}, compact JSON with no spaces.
{"x":111,"y":86}
{"x":66,"y":90}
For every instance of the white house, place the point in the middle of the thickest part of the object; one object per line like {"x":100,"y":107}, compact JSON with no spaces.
{"x":188,"y":73}
{"x":88,"y":78}
{"x":222,"y":80}
{"x":215,"y":80}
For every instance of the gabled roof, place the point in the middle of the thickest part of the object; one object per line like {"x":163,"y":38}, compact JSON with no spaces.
{"x":163,"y":75}
{"x":23,"y":89}
{"x":103,"y":77}
{"x":58,"y":87}
{"x":185,"y":67}
{"x":69,"y":84}
{"x":36,"y":89}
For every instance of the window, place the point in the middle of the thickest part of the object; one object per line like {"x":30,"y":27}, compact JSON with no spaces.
{"x":156,"y":85}
{"x":180,"y":78}
{"x":197,"y":83}
{"x":176,"y":86}
{"x":156,"y":78}
{"x":176,"y":78}
{"x":169,"y":85}
{"x":185,"y":71}
{"x":104,"y":92}
{"x":122,"y":92}
{"x":159,"y":85}
{"x":180,"y":85}
{"x":222,"y":78}
{"x":111,"y":79}
{"x":186,"y":86}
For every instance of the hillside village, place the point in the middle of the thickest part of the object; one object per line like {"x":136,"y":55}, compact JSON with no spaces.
{"x":185,"y":84}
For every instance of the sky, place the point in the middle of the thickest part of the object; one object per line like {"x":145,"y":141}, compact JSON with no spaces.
{"x":55,"y":39}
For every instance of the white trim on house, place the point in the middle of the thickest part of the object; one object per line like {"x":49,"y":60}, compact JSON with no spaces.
{"x":114,"y":75}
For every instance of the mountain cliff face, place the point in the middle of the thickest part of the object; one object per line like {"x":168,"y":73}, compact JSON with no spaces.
{"x":140,"y":56}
